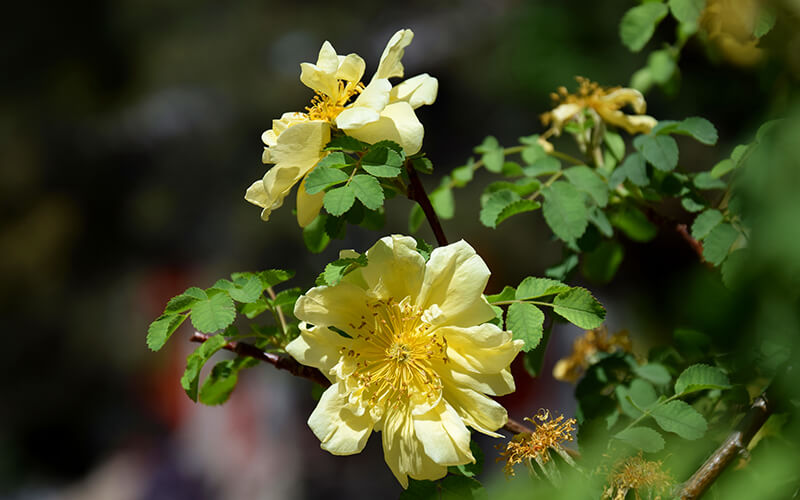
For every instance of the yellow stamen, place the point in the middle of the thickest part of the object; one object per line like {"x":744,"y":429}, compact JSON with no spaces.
{"x":325,"y":107}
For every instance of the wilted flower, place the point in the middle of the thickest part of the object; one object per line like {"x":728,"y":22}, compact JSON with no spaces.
{"x":536,"y":446}
{"x":636,"y":473}
{"x":416,"y":361}
{"x":730,"y":25}
{"x":342,"y":103}
{"x":604,"y":103}
{"x":584,"y":351}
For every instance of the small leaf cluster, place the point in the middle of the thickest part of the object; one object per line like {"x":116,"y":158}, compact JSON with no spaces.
{"x":525,"y":319}
{"x":213,"y":311}
{"x":356,"y":179}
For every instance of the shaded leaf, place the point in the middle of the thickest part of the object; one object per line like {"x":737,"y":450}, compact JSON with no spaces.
{"x":705,"y":222}
{"x":718,"y":242}
{"x":196,"y":360}
{"x":564,"y":211}
{"x":639,"y":23}
{"x":579,"y":308}
{"x":680,"y":418}
{"x":700,"y":377}
{"x":162,"y":329}
{"x":339,"y":200}
{"x":642,"y":438}
{"x":525,"y":322}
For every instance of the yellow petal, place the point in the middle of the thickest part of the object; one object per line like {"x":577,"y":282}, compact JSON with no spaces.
{"x":301,"y":145}
{"x":403,"y":451}
{"x":342,"y":306}
{"x":351,"y":68}
{"x":308,"y":205}
{"x":397,"y":123}
{"x":633,"y":124}
{"x":339,"y":430}
{"x":277,"y":183}
{"x":625,"y":96}
{"x":480,"y":349}
{"x":318,"y":347}
{"x":356,"y":117}
{"x":416,"y":91}
{"x":256,"y":194}
{"x":560,"y":115}
{"x":477,"y":410}
{"x":390,"y":64}
{"x":444,"y":436}
{"x":455,"y":277}
{"x":394,"y":268}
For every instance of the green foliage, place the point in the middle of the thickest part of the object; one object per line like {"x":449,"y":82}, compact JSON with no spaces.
{"x":565,"y":211}
{"x":639,"y":24}
{"x":451,"y":487}
{"x":642,"y":438}
{"x":701,"y":377}
{"x":492,"y":154}
{"x":680,"y":418}
{"x":687,"y":11}
{"x":338,"y":269}
{"x":195,"y":362}
{"x":718,"y":242}
{"x":525,"y":322}
{"x":661,"y":151}
{"x":579,"y":308}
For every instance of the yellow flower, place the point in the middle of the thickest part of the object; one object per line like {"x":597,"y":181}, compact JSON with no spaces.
{"x":341,"y":103}
{"x":603,"y":103}
{"x":584,"y":351}
{"x":729,"y":25}
{"x":418,"y":360}
{"x":536,"y":446}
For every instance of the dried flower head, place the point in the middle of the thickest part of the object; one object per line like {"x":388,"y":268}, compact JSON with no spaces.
{"x":549,"y":434}
{"x":604,"y":104}
{"x":636,"y":474}
{"x":584,"y":349}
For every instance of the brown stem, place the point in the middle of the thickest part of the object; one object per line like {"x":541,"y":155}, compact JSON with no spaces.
{"x":734,"y":444}
{"x":279,"y":362}
{"x":696,"y":245}
{"x":417,"y":193}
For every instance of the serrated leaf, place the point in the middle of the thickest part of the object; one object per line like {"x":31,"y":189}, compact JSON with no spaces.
{"x":687,"y":11}
{"x":368,"y":191}
{"x":162,"y":329}
{"x":718,"y":242}
{"x":184,"y":301}
{"x":196,"y":360}
{"x":322,"y":178}
{"x":287,"y":297}
{"x":423,"y":165}
{"x":587,"y":180}
{"x":244,"y":290}
{"x":451,"y":487}
{"x":564,"y":211}
{"x":637,"y":398}
{"x":214,"y":313}
{"x":336,"y":270}
{"x":525,"y":322}
{"x":523,"y":187}
{"x":705,"y":222}
{"x":495,"y":204}
{"x":615,"y":144}
{"x":255,"y":309}
{"x":382,"y":162}
{"x":700,"y":129}
{"x":561,"y":270}
{"x":639,"y":23}
{"x":531,"y":288}
{"x":642,"y":438}
{"x":517,"y":207}
{"x":222,"y":380}
{"x":635,"y":169}
{"x":462,"y":175}
{"x":700,"y":377}
{"x":506,"y":294}
{"x":704,"y":180}
{"x":339,"y":200}
{"x":579,"y":308}
{"x":634,"y":224}
{"x":346,"y":143}
{"x":722,"y":168}
{"x":335,"y":159}
{"x":653,"y":372}
{"x":542,"y":166}
{"x":272,"y":277}
{"x":661,"y":151}
{"x":442,"y":200}
{"x":680,"y":418}
{"x":492,"y":154}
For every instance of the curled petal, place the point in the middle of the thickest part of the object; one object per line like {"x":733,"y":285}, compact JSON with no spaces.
{"x":620,"y":97}
{"x":390,"y":64}
{"x":274,"y":187}
{"x":318,"y":347}
{"x":308,"y":205}
{"x":633,"y":124}
{"x":477,"y":410}
{"x":351,"y":68}
{"x":416,"y":91}
{"x":394,"y":268}
{"x":480,"y":349}
{"x":444,"y":436}
{"x":404,"y":453}
{"x":397,"y":123}
{"x":560,"y":115}
{"x":339,"y":429}
{"x":301,"y":145}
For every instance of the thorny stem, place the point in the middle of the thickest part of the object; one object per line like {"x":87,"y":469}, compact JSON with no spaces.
{"x":416,"y":192}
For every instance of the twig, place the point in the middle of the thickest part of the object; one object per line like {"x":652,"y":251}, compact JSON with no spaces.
{"x":696,"y":245}
{"x":734,"y":444}
{"x":416,"y":192}
{"x":279,"y":362}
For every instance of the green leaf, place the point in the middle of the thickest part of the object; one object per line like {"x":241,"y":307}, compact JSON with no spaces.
{"x":705,"y":222}
{"x":692,"y":203}
{"x":579,"y":308}
{"x":615,"y":144}
{"x":346,"y":143}
{"x":336,"y":270}
{"x":245,"y":290}
{"x":704,"y":180}
{"x":601,"y":264}
{"x":662,"y":66}
{"x":517,"y":208}
{"x":734,"y":267}
{"x":423,"y":165}
{"x":506,"y":294}
{"x":470,"y":469}
{"x":382,"y":162}
{"x":185,"y":301}
{"x":195,"y":362}
{"x":255,"y":309}
{"x":653,"y":372}
{"x":287,"y":298}
{"x":637,"y":398}
{"x":492,"y":154}
{"x":543,"y":166}
{"x":523,"y":187}
{"x":451,"y":487}
{"x":495,"y":204}
{"x":722,"y":168}
{"x":587,"y":180}
{"x":442,"y":200}
{"x":368,"y":191}
{"x":687,"y":11}
{"x":339,"y":200}
{"x":718,"y":242}
{"x":701,"y":377}
{"x":415,"y":218}
{"x":272,"y":277}
{"x":680,"y":418}
{"x":220,"y":383}
{"x":322,"y":178}
{"x":564,"y":211}
{"x":700,"y":129}
{"x":642,"y":438}
{"x":601,"y":222}
{"x":525,"y":322}
{"x":462,"y":175}
{"x":214,"y":313}
{"x":336,"y":159}
{"x":162,"y":329}
{"x":634,"y":224}
{"x":639,"y":24}
{"x":314,"y":235}
{"x":532,"y":288}
{"x":561,"y":270}
{"x":635,"y":169}
{"x":424,"y":248}
{"x":765,"y":20}
{"x":661,"y":151}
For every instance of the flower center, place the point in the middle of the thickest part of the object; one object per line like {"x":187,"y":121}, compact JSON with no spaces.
{"x":398,"y":355}
{"x":325,"y":107}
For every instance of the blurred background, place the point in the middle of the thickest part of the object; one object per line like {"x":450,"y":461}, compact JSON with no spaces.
{"x":129,"y":132}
